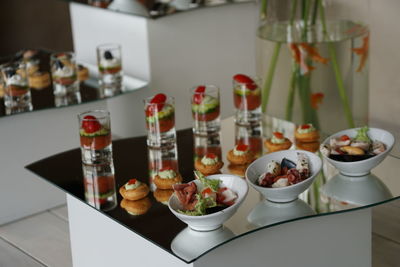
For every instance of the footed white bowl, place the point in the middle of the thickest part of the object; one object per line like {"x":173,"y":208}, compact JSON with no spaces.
{"x":288,"y":193}
{"x":215,"y":220}
{"x":362,"y":167}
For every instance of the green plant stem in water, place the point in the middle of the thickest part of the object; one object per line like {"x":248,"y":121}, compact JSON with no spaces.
{"x":263,"y":13}
{"x":290,"y":99}
{"x":336,"y":69}
{"x":270,"y":76}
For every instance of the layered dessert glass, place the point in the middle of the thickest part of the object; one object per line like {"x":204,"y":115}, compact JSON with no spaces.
{"x":99,"y":184}
{"x":205,"y":109}
{"x":95,"y":137}
{"x":247,"y":99}
{"x":65,"y":78}
{"x":109,"y":61}
{"x":17,"y":95}
{"x":160,"y":120}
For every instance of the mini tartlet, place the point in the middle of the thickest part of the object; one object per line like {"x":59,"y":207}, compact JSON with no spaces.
{"x":163,"y":195}
{"x":306,"y":133}
{"x":137,"y":207}
{"x":277,"y":142}
{"x":39,"y":80}
{"x":209,"y":164}
{"x":166,"y":178}
{"x":134,"y":190}
{"x":240,"y":155}
{"x":239,"y":170}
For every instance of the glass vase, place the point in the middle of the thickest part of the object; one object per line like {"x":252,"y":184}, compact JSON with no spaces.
{"x":313,"y":58}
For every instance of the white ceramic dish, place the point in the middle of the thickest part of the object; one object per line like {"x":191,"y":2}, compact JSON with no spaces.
{"x":362,"y":167}
{"x":215,"y":220}
{"x":288,"y":193}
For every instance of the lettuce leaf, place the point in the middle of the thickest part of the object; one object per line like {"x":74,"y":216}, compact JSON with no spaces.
{"x":213,"y":184}
{"x":200,"y":208}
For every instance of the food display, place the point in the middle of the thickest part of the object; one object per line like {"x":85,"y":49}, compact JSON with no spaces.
{"x":166,"y":178}
{"x":98,"y":189}
{"x":285,"y":173}
{"x":307,"y":137}
{"x":138,"y":207}
{"x":39,"y":80}
{"x":246,"y":93}
{"x":160,"y":115}
{"x":93,"y":134}
{"x":207,"y":198}
{"x":64,"y":71}
{"x":277,"y":142}
{"x":348,"y":149}
{"x":209,"y":164}
{"x":240,"y":155}
{"x":205,"y":107}
{"x":109,"y":63}
{"x":134,"y":190}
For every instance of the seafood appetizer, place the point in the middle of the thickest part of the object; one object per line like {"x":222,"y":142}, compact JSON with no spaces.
{"x":277,"y":142}
{"x":286,"y":173}
{"x":203,"y":199}
{"x":347,"y":149}
{"x":240,"y":155}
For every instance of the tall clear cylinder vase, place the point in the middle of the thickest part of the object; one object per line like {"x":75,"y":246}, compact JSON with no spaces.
{"x":312,"y":56}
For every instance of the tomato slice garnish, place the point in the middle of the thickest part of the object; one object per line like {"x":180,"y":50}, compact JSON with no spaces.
{"x":211,"y":155}
{"x":278,"y":135}
{"x":199,"y":94}
{"x":305,"y":126}
{"x":241,"y":78}
{"x":156,"y":104}
{"x":132,"y":181}
{"x":90,"y":124}
{"x":344,"y":138}
{"x":207,"y":191}
{"x":242,"y":147}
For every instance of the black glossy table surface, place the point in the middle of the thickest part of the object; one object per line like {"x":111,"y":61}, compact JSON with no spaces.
{"x":131,"y":161}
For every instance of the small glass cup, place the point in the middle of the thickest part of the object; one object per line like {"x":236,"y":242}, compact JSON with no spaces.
{"x":205,"y":144}
{"x":205,"y":109}
{"x":109,"y":61}
{"x":247,"y":99}
{"x":17,"y":95}
{"x":160,"y":120}
{"x":99,"y":183}
{"x":95,"y":137}
{"x":65,"y":78}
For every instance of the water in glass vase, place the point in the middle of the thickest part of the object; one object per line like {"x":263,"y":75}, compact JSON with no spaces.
{"x":316,"y":74}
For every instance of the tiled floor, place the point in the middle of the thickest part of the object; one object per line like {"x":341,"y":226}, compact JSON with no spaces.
{"x":43,"y":239}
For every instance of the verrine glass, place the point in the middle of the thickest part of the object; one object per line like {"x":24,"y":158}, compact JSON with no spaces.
{"x":17,"y":95}
{"x":95,"y":136}
{"x":205,"y":105}
{"x":109,"y":61}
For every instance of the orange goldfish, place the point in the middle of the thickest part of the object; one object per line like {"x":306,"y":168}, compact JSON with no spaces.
{"x":316,"y":100}
{"x":301,"y":52}
{"x":362,"y":52}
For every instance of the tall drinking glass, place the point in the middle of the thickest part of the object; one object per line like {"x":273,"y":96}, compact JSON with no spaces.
{"x":160,"y":120}
{"x":17,"y":95}
{"x":205,"y":109}
{"x":109,"y":61}
{"x":247,"y":99}
{"x":95,"y":136}
{"x":65,"y":78}
{"x":99,"y":183}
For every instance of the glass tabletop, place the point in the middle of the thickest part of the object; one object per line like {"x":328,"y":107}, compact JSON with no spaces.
{"x":330,"y":192}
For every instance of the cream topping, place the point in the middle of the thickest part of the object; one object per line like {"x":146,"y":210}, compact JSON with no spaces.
{"x":110,"y":63}
{"x":167,"y":174}
{"x":307,"y":130}
{"x":209,"y":161}
{"x":276,"y":140}
{"x":132,"y":186}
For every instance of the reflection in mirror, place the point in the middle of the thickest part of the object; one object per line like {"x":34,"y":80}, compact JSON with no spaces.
{"x":190,"y":244}
{"x":99,"y":183}
{"x":163,"y":158}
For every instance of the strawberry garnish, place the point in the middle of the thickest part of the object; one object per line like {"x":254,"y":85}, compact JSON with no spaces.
{"x":132,"y":181}
{"x":305,"y":126}
{"x":278,"y":135}
{"x":242,"y":147}
{"x":156,"y":104}
{"x":344,"y":138}
{"x":241,"y":78}
{"x":90,"y":124}
{"x":199,"y":94}
{"x":211,"y":156}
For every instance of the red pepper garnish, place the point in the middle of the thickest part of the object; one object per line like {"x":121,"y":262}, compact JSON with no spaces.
{"x":211,"y":156}
{"x":241,"y":78}
{"x":132,"y":181}
{"x":278,"y":135}
{"x":207,"y":191}
{"x":305,"y":126}
{"x":156,"y":104}
{"x":242,"y":147}
{"x":199,"y":94}
{"x":90,"y":124}
{"x":344,"y":138}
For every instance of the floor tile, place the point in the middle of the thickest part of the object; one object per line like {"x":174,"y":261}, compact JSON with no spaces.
{"x":386,"y":222}
{"x":385,"y":253}
{"x":11,"y":256}
{"x":61,"y":212}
